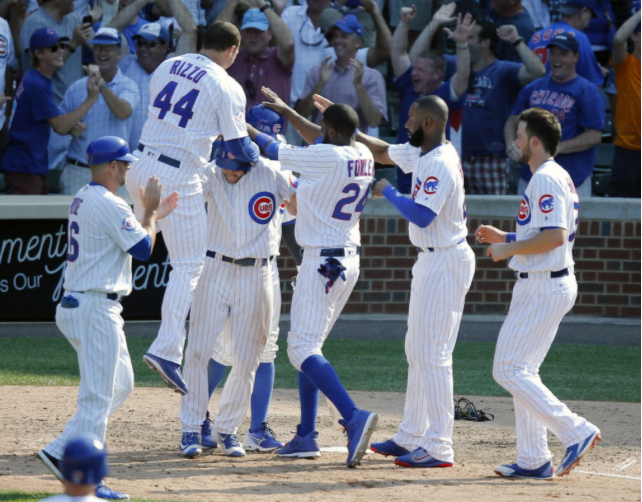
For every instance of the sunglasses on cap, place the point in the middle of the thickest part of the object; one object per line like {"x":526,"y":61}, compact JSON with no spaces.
{"x":140,"y":42}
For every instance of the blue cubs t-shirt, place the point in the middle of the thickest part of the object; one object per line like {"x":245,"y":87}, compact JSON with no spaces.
{"x":578,"y":105}
{"x":587,"y":66}
{"x":408,"y":97}
{"x":487,"y":106}
{"x":29,"y":132}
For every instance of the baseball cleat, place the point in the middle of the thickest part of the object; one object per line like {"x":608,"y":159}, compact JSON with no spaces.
{"x":261,"y":440}
{"x":207,"y":440}
{"x":191,"y":445}
{"x":389,"y":448}
{"x":301,"y":446}
{"x":359,"y":430}
{"x":171,"y":372}
{"x":52,"y":463}
{"x":231,"y":445}
{"x":515,"y":471}
{"x":103,"y":492}
{"x":420,"y":458}
{"x":575,"y":453}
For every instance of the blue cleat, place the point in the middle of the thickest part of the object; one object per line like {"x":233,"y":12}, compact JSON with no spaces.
{"x":359,"y":430}
{"x":103,"y":492}
{"x":515,"y":471}
{"x":420,"y":458}
{"x":389,"y":448}
{"x":171,"y":372}
{"x":301,"y":446}
{"x":191,"y":445}
{"x":207,"y":440}
{"x":261,"y":440}
{"x":575,"y":453}
{"x":52,"y":463}
{"x":231,"y":445}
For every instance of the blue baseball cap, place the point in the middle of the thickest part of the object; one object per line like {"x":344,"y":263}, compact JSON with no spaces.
{"x":43,"y":38}
{"x":254,"y":18}
{"x":565,"y":41}
{"x":107,"y":36}
{"x":571,"y":7}
{"x":153,"y":32}
{"x":350,"y":24}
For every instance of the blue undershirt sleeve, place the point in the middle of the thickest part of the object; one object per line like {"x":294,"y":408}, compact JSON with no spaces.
{"x":268,"y":145}
{"x":409,"y":209}
{"x":243,"y":149}
{"x":142,"y":250}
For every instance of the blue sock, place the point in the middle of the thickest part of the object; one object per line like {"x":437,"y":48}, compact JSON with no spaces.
{"x":262,"y":395}
{"x":215,"y":374}
{"x":309,"y":397}
{"x":322,"y":374}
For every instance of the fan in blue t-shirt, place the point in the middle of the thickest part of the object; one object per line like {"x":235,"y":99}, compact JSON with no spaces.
{"x":576,"y":102}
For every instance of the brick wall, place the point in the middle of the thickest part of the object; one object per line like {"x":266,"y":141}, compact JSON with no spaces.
{"x":607,"y":258}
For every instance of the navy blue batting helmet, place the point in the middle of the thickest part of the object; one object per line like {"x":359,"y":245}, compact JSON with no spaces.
{"x":108,"y":148}
{"x":226,"y":160}
{"x":84,"y":461}
{"x":266,"y":120}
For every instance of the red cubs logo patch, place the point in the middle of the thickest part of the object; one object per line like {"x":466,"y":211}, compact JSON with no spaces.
{"x":230,"y":156}
{"x":262,"y":207}
{"x":431,"y":185}
{"x":546,"y":203}
{"x":276,"y":128}
{"x":524,"y":213}
{"x":417,"y":187}
{"x":3,"y":47}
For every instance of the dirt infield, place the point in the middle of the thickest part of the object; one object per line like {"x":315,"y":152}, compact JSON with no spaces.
{"x":144,"y":435}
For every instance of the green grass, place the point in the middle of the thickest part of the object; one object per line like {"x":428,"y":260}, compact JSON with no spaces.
{"x":580,"y":372}
{"x":16,"y":496}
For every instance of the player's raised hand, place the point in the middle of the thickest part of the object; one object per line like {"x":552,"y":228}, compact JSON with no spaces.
{"x":487,"y":234}
{"x":275,"y":102}
{"x":445,"y":13}
{"x":291,"y":205}
{"x":499,"y":251}
{"x":508,"y":33}
{"x":150,"y":196}
{"x":407,"y":14}
{"x":378,"y":188}
{"x":321,"y":103}
{"x":167,"y":205}
{"x":462,"y":30}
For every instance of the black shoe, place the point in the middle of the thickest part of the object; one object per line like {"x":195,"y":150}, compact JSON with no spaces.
{"x":52,"y":463}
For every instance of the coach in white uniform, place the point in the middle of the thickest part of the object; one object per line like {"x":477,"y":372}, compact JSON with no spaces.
{"x":335,"y":178}
{"x":441,"y":278}
{"x":542,"y":251}
{"x":192,"y":101}
{"x":103,"y":236}
{"x":243,"y":238}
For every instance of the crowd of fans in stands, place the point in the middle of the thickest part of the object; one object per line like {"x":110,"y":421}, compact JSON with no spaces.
{"x":72,"y":71}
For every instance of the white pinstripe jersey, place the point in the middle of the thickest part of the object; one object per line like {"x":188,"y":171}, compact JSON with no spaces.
{"x":550,"y":201}
{"x":102,"y":227}
{"x":438,"y":185}
{"x":333,"y":189}
{"x":243,"y":219}
{"x":192,"y":101}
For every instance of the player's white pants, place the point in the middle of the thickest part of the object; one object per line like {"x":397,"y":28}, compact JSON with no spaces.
{"x":536,"y":309}
{"x":313,"y":312}
{"x":184,"y":232}
{"x":223,"y":350}
{"x":440,"y":281}
{"x":95,"y":331}
{"x":244,"y":295}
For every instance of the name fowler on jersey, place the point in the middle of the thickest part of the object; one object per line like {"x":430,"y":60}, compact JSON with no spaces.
{"x":360,"y":167}
{"x":261,"y":207}
{"x":181,"y":69}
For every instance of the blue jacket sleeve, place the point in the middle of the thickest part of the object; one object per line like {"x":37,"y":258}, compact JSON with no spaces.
{"x":142,"y":250}
{"x":409,"y":209}
{"x":243,"y":149}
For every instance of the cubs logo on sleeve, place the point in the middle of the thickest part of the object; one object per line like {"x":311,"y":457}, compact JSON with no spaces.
{"x":276,"y":128}
{"x":127,"y":224}
{"x":546,"y":203}
{"x":524,"y":213}
{"x":416,"y":189}
{"x":262,"y":207}
{"x":430,"y":186}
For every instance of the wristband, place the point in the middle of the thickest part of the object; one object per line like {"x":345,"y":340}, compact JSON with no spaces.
{"x":511,"y":237}
{"x":462,"y":47}
{"x":267,"y":5}
{"x":70,"y":48}
{"x":518,"y":41}
{"x":103,"y":87}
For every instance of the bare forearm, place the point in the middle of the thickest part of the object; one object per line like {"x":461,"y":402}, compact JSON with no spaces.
{"x":378,"y":147}
{"x":543,"y":242}
{"x":460,"y":79}
{"x":424,"y":40}
{"x":584,"y":141}
{"x":118,"y":106}
{"x":305,"y":106}
{"x":368,"y":108}
{"x":227,"y":14}
{"x":127,"y":15}
{"x":510,"y":129}
{"x":183,"y":16}
{"x":399,"y":49}
{"x":381,"y":50}
{"x":63,"y":124}
{"x":308,"y":130}
{"x":283,"y":36}
{"x":621,"y":37}
{"x":533,"y":67}
{"x":148,"y":222}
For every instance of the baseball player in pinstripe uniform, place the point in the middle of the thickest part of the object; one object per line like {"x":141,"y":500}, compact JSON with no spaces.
{"x":193,"y":100}
{"x":441,"y":278}
{"x":243,"y":240}
{"x":335,"y":178}
{"x":542,"y":257}
{"x":103,"y":236}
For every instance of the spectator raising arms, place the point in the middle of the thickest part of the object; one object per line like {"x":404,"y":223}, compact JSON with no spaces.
{"x":511,"y":12}
{"x":578,"y":105}
{"x":625,"y":178}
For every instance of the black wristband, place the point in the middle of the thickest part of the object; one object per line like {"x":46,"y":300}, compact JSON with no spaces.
{"x":518,"y":41}
{"x":267,"y":5}
{"x":70,"y":49}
